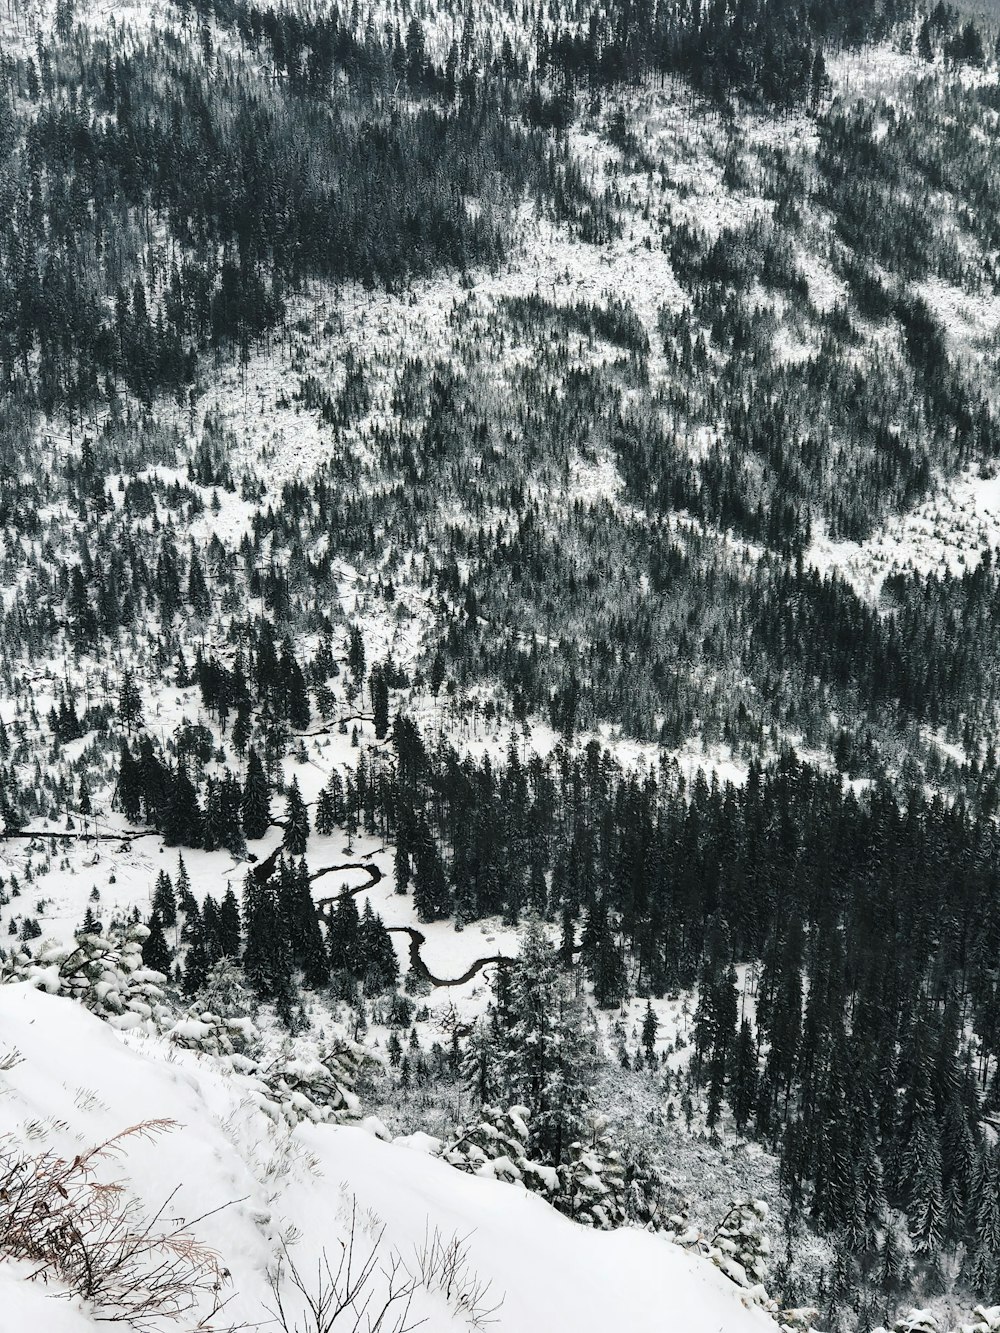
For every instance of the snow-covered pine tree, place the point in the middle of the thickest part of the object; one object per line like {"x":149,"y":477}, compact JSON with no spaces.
{"x":545,"y":1051}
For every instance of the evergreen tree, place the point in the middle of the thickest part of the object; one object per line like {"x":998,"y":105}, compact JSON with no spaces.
{"x":431,"y":895}
{"x":379,"y":691}
{"x":922,"y":1175}
{"x":128,"y":793}
{"x":195,"y":966}
{"x":324,"y":819}
{"x":543,"y":1048}
{"x":155,"y":952}
{"x":256,"y":804}
{"x":344,"y":938}
{"x":379,"y":967}
{"x":129,"y":701}
{"x":650,"y":1026}
{"x":603,"y":958}
{"x":229,"y":926}
{"x":182,"y":826}
{"x":743,"y":1089}
{"x":164,"y":902}
{"x":294,"y":683}
{"x":482,"y":1062}
{"x":296,"y":834}
{"x":305,"y":935}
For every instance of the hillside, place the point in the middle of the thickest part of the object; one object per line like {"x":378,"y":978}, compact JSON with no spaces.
{"x":499,"y":574}
{"x":74,"y":1084}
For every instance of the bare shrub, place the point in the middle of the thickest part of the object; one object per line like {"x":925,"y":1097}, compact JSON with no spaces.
{"x":444,"y":1266}
{"x":135,"y":1268}
{"x":343,"y":1298}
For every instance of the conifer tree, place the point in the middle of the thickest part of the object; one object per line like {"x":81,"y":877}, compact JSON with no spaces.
{"x":155,"y":951}
{"x":379,"y":966}
{"x":128,"y":793}
{"x":256,"y":805}
{"x":431,"y":895}
{"x":650,"y":1026}
{"x":294,"y":686}
{"x":743,"y":1088}
{"x":305,"y":935}
{"x":182,"y":825}
{"x":296,"y":834}
{"x":482,"y":1061}
{"x":544,"y":1051}
{"x":379,"y":691}
{"x":603,"y":959}
{"x":922,"y":1176}
{"x":324,"y":820}
{"x":129,"y":701}
{"x":164,"y":902}
{"x":229,"y":926}
{"x":195,"y":965}
{"x":344,"y":937}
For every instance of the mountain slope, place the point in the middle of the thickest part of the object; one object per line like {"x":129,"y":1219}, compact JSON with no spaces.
{"x":77,"y":1083}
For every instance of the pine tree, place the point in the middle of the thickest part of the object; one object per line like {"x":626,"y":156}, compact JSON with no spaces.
{"x":543,"y":1049}
{"x":128,"y":793}
{"x":230,"y":829}
{"x":256,"y":805}
{"x":129,"y":701}
{"x":229,"y":926}
{"x":267,"y":961}
{"x":155,"y":951}
{"x":379,"y":691}
{"x":164,"y":902}
{"x":211,"y":823}
{"x":603,"y":959}
{"x":296,"y":695}
{"x":210,"y":928}
{"x":481,"y":1065}
{"x":394,"y":1050}
{"x":344,"y":937}
{"x":305,"y":934}
{"x":182,"y":824}
{"x":401,"y":857}
{"x":922,"y":1175}
{"x":650,"y":1026}
{"x":324,"y":819}
{"x":296,"y":834}
{"x":356,"y":655}
{"x":743,"y":1088}
{"x":195,"y":965}
{"x":379,"y":966}
{"x":894,"y":1267}
{"x":431,"y":895}
{"x":242,"y":730}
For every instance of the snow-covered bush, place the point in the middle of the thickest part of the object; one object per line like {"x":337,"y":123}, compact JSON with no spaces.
{"x":104,"y":971}
{"x":740,"y":1246}
{"x":497,"y":1147}
{"x":315,"y":1083}
{"x":597,"y":1186}
{"x":219,"y":1021}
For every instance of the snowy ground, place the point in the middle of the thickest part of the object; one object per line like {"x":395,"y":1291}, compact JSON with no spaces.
{"x":73,"y":1082}
{"x":948,"y":533}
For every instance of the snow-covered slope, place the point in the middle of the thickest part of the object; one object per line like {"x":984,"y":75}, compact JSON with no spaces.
{"x":69,"y":1082}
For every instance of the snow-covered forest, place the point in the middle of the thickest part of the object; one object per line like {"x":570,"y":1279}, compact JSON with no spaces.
{"x":499,"y":680}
